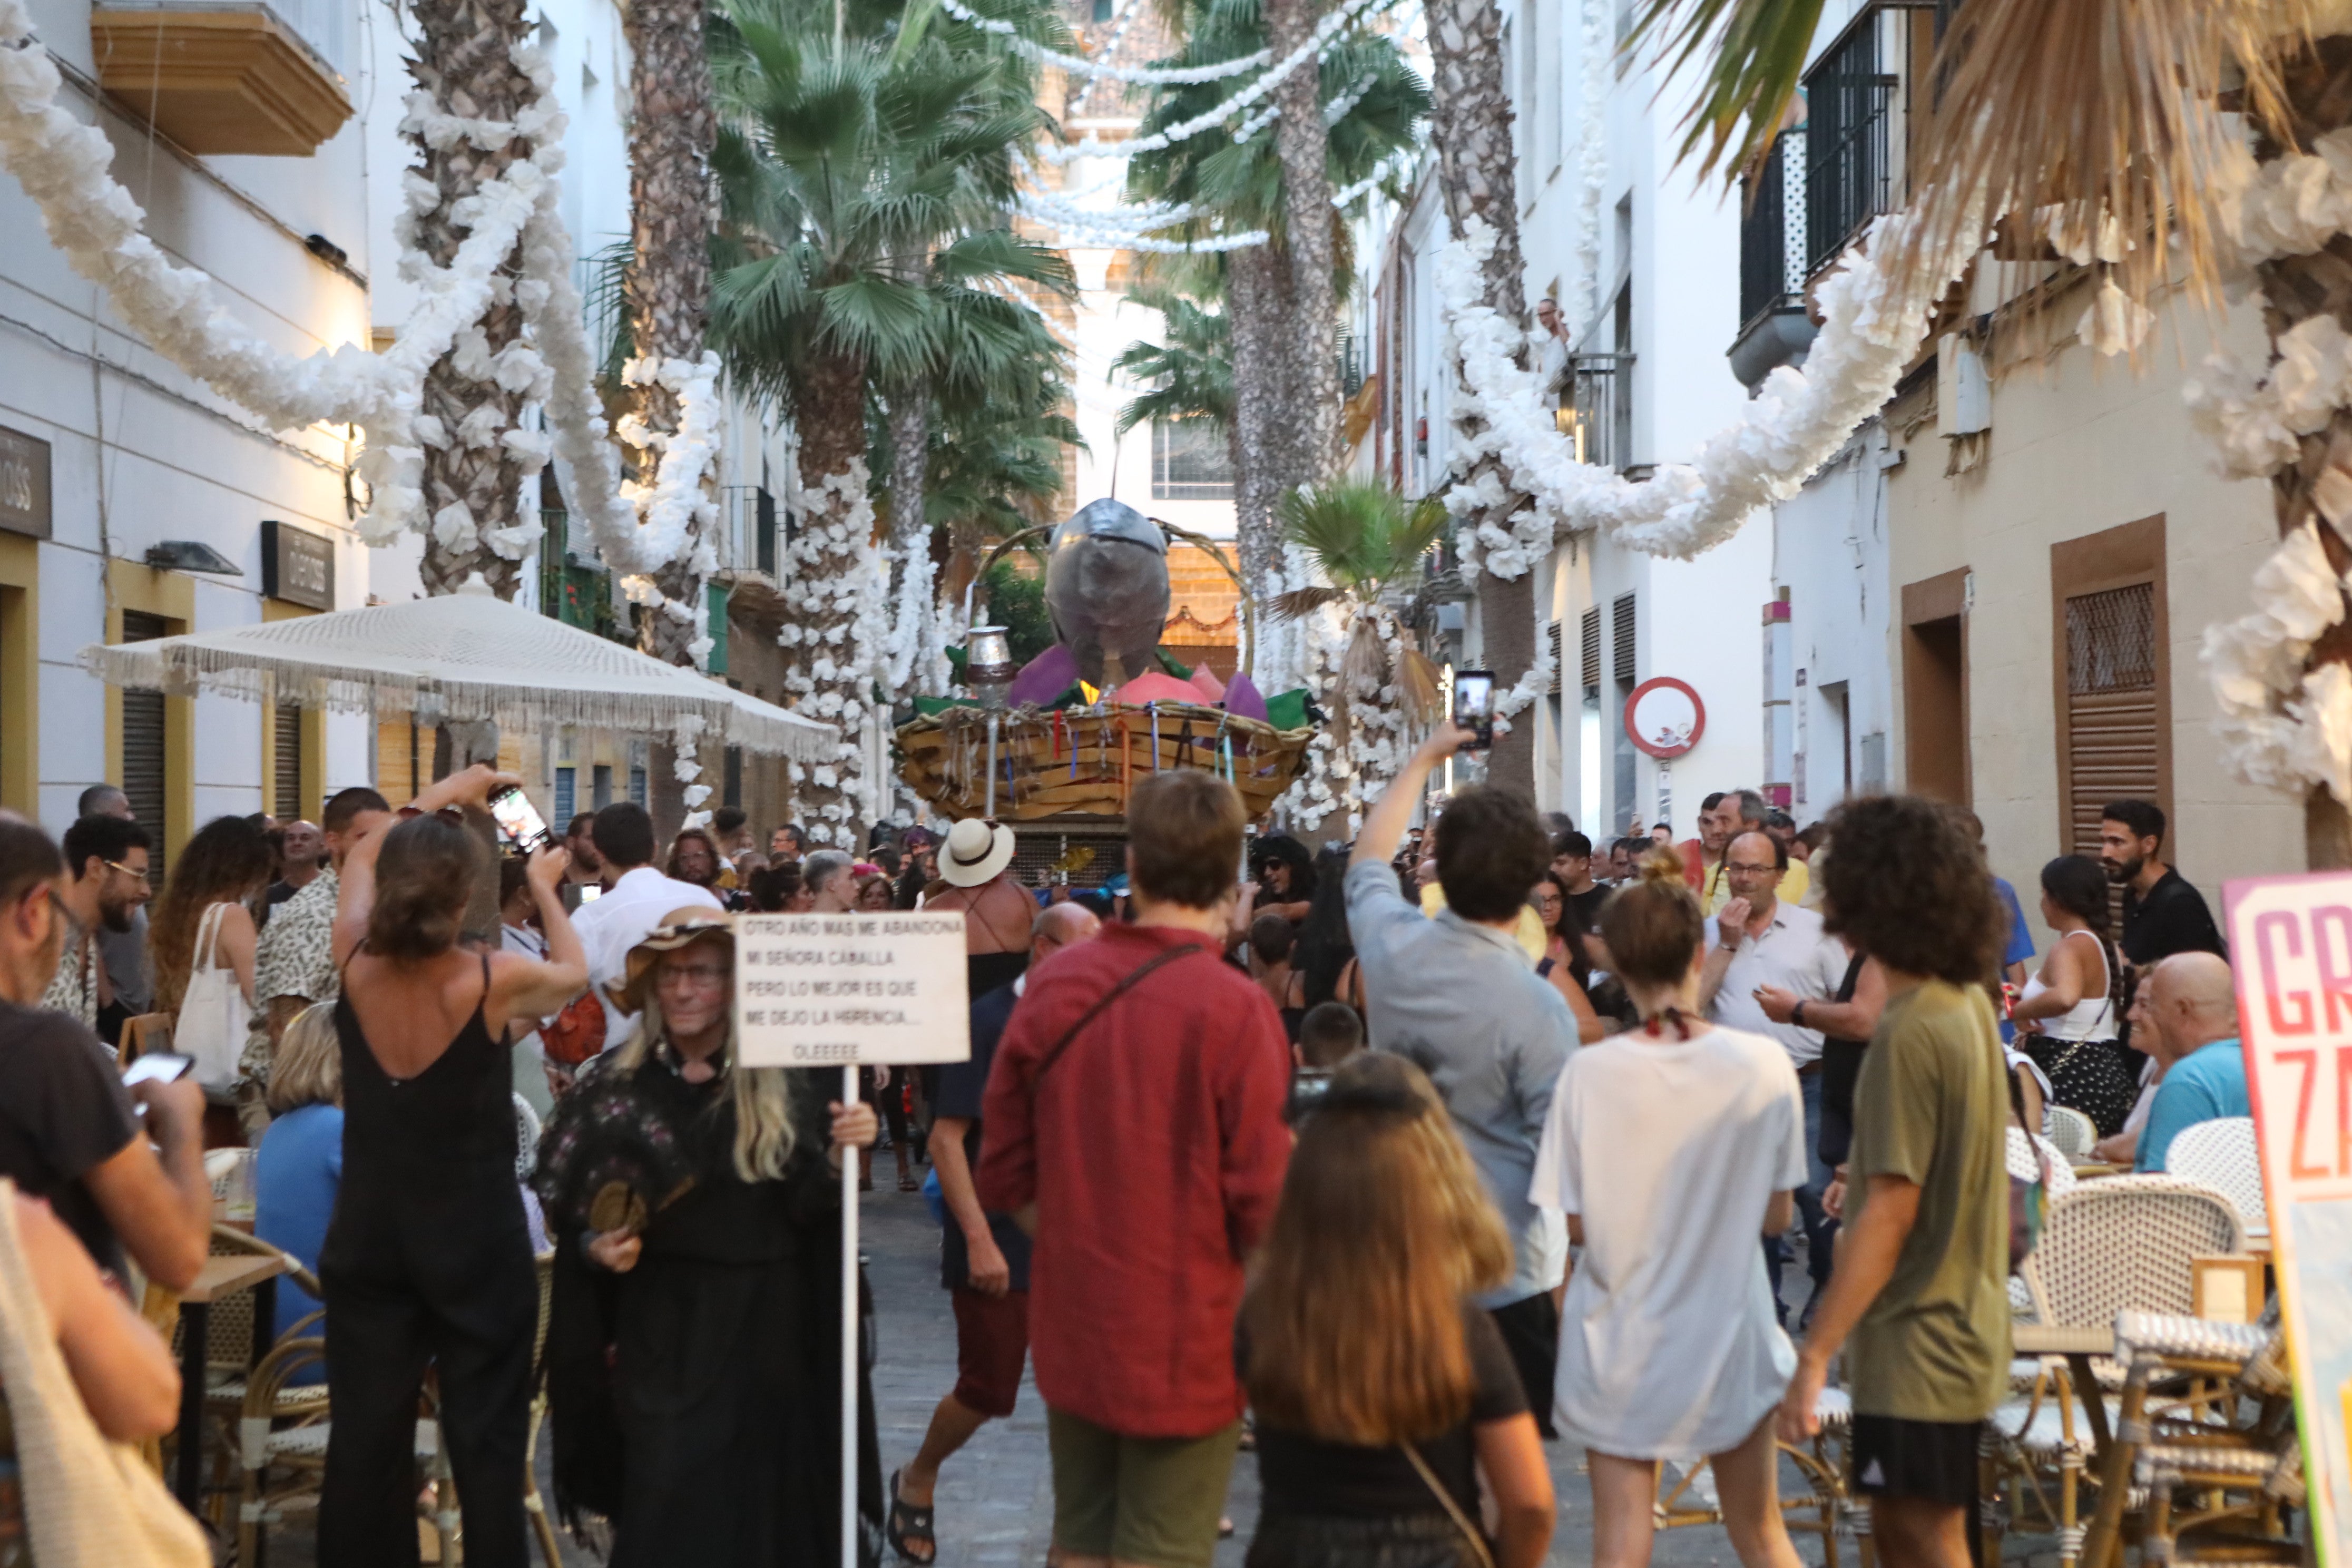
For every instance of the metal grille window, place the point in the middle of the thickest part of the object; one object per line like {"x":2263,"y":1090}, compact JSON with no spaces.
{"x":2111,"y":719}
{"x":1623,"y":626}
{"x":1190,"y":461}
{"x":286,"y":762}
{"x":1852,"y":106}
{"x":1558,"y":663}
{"x":143,"y":734}
{"x":732,"y":793}
{"x":567,"y":795}
{"x":1592,"y":640}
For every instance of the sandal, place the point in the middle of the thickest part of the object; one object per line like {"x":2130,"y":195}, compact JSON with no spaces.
{"x":908,"y":1521}
{"x":909,"y":1185}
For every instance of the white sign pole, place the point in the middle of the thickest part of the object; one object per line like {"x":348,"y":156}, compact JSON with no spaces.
{"x":850,"y":1170}
{"x":851,"y":990}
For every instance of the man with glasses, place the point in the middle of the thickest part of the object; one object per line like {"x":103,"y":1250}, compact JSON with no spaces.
{"x":106,"y":883}
{"x":1762,"y":946}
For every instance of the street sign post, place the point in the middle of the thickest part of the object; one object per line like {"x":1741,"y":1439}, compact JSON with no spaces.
{"x":851,"y":990}
{"x":2291,"y":938}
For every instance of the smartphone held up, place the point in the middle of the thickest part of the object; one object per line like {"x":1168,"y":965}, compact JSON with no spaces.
{"x":520,"y":827}
{"x":1473,"y":707}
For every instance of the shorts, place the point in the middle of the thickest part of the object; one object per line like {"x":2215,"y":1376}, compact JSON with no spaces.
{"x":1530,"y":1330}
{"x":991,"y":1344}
{"x":1935,"y":1461}
{"x":1152,"y":1501}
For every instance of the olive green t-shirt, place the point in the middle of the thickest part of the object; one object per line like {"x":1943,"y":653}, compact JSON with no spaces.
{"x":1930,"y":1107}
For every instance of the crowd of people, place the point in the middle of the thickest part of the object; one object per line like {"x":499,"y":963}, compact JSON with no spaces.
{"x":1393,"y":1161}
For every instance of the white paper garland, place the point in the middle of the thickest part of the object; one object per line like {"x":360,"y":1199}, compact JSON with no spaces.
{"x":1095,"y":71}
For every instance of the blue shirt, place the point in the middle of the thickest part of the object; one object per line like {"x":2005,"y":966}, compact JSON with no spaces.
{"x":2205,"y":1085}
{"x":2020,"y":942}
{"x":295,"y":1173}
{"x":1464,"y":1003}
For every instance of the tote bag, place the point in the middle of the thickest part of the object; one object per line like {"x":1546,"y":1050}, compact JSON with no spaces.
{"x":213,"y":1017}
{"x":89,"y":1501}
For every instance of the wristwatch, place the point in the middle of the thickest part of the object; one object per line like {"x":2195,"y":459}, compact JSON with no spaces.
{"x":1797,"y":1014}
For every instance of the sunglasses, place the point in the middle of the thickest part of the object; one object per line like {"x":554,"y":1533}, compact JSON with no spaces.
{"x":145,"y":876}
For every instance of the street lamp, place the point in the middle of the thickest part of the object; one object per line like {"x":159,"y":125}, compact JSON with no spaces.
{"x":988,"y":669}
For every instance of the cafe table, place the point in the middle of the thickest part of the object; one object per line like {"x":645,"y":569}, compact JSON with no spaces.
{"x":224,"y":1275}
{"x":2078,"y":1346}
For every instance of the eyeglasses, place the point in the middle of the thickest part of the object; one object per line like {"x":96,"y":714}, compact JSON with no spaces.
{"x":138,"y":876}
{"x":698,"y":973}
{"x":1736,"y":869}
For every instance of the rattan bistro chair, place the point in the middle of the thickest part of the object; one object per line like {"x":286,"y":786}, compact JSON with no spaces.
{"x":2123,"y":1244}
{"x":2073,"y":1132}
{"x":2222,"y":1154}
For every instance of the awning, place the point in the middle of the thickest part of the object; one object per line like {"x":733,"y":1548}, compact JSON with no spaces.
{"x":459,"y":659}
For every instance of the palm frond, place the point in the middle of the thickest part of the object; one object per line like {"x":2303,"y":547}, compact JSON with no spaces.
{"x":1756,"y":58}
{"x":1300,"y":603}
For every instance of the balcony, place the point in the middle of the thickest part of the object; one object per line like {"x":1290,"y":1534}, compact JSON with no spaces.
{"x":224,"y":77}
{"x":1597,"y":412}
{"x":1854,"y":111}
{"x":1774,"y":330}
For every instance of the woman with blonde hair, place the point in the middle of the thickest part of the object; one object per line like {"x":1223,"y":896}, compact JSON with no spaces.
{"x":1382,"y":1393}
{"x":1672,"y":1148}
{"x":694,"y":1358}
{"x":299,"y":1165}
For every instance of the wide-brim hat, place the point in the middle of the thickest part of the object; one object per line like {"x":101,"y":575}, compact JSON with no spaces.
{"x":680,"y":928}
{"x":975,"y":851}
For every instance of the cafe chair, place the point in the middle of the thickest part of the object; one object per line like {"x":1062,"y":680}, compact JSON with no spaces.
{"x":2073,"y":1132}
{"x":144,"y":1032}
{"x":2121,"y":1244}
{"x":2222,"y":1154}
{"x":1690,"y":1498}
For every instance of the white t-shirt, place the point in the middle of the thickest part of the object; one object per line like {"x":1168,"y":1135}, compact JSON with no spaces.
{"x":1670,"y":1151}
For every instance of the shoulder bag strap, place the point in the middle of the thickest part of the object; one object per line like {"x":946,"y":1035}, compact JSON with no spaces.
{"x":207,"y":954}
{"x":1470,"y":1532}
{"x":1054,"y":1054}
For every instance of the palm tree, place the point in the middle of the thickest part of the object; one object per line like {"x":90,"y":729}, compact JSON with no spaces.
{"x":668,"y":280}
{"x":1471,"y":123}
{"x":1189,"y":373}
{"x":464,"y":62}
{"x":1364,"y":541}
{"x":1280,"y":389}
{"x":838,"y":162}
{"x":2096,"y":117}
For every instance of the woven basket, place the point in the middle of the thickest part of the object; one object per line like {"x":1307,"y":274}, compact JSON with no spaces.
{"x":1083,"y":761}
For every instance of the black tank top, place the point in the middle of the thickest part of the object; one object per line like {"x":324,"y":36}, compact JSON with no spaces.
{"x":428,"y":1161}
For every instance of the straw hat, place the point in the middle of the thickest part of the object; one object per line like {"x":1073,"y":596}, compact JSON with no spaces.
{"x":680,"y":928}
{"x":975,"y":851}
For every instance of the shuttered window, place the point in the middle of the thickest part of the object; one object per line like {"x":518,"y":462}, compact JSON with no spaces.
{"x":2111,"y":706}
{"x":143,"y":735}
{"x":1591,"y":639}
{"x":1558,"y":671}
{"x":1624,"y":630}
{"x":286,"y":762}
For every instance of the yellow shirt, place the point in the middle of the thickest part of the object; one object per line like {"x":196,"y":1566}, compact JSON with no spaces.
{"x":1530,"y":932}
{"x":1794,"y":883}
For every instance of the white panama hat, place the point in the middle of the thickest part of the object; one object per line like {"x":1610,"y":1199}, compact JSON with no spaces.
{"x":975,"y":850}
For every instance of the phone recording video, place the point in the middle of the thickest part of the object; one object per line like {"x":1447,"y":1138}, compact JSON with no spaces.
{"x":1473,"y":707}
{"x":519,"y":824}
{"x":161,"y":1066}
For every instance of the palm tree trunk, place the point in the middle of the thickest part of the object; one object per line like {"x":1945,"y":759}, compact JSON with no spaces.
{"x":1262,"y":375}
{"x":827,"y":673}
{"x":1470,"y":121}
{"x":2295,"y":289}
{"x":464,"y":62}
{"x":667,"y":284}
{"x":1303,"y":149}
{"x":913,"y":589}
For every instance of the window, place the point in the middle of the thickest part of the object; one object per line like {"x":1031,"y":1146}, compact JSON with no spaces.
{"x":1852,"y":104}
{"x":600,"y":786}
{"x":1191,"y":461}
{"x":2113,"y":685}
{"x":731,"y":792}
{"x":637,"y":757}
{"x":1936,"y":687}
{"x":286,"y":759}
{"x":763,"y":515}
{"x":567,"y":793}
{"x":1623,"y":805}
{"x":142,"y":731}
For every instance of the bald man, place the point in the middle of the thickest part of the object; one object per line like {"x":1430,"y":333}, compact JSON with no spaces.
{"x":984,"y":1263}
{"x":2194,"y":1008}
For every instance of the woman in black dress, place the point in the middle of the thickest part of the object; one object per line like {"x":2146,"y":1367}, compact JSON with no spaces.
{"x":698,"y":1330}
{"x":427,"y":1259}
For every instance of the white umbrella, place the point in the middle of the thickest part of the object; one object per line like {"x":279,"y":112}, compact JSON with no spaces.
{"x":459,"y":659}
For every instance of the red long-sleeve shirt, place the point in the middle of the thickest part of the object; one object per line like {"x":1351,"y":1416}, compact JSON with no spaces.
{"x":1154,"y":1150}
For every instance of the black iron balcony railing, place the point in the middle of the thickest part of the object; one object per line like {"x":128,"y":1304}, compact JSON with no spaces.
{"x":1853,"y":109}
{"x":1597,"y":414}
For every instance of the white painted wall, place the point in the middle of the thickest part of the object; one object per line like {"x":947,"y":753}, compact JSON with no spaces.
{"x":1829,"y":549}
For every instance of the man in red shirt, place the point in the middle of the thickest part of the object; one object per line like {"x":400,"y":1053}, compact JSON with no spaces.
{"x":1134,"y":1117}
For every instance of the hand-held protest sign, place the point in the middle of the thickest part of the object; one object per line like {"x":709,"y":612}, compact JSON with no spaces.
{"x":851,"y":990}
{"x":2291,"y":938}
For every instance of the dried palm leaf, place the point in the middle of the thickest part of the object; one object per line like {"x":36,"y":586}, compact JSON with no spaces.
{"x":1302,"y":602}
{"x":1417,"y":684}
{"x":2104,"y":120}
{"x":1364,"y":666}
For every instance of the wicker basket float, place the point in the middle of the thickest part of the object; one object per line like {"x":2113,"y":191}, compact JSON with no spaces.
{"x":1083,"y":761}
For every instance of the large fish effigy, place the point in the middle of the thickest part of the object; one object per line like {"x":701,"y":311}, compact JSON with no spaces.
{"x":1107,"y":587}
